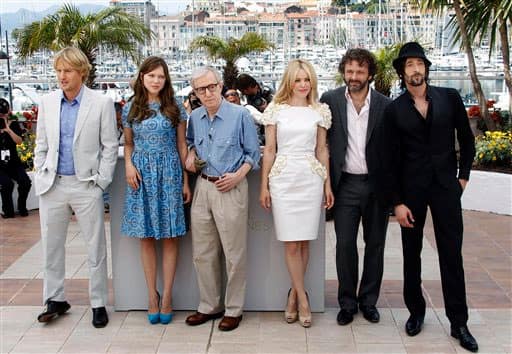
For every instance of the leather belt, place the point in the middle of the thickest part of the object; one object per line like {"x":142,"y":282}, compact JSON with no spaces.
{"x":210,"y":178}
{"x":360,"y":177}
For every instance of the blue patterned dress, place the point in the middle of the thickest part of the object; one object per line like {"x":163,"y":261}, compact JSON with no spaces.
{"x":155,"y":209}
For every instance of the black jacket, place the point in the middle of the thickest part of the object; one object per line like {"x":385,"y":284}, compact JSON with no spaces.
{"x":337,"y":135}
{"x":6,"y":143}
{"x":420,"y":150}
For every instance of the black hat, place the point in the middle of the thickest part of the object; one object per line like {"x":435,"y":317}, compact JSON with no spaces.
{"x":410,"y":50}
{"x":4,"y":106}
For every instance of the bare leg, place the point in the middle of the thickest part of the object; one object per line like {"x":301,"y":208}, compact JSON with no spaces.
{"x":148,"y":257}
{"x":169,"y":261}
{"x":304,"y":309}
{"x":295,"y":253}
{"x":305,"y":256}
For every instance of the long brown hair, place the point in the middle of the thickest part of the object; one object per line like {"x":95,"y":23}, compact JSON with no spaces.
{"x":140,"y":108}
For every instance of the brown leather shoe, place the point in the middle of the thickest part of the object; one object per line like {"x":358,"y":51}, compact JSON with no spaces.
{"x":229,"y":323}
{"x":199,"y":318}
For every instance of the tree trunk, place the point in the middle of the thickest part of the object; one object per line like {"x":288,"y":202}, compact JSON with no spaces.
{"x":477,"y":87}
{"x":506,"y":58}
{"x":230,"y":74}
{"x":91,"y":55}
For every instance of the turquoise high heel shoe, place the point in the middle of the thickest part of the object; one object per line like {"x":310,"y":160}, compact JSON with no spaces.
{"x":166,"y":318}
{"x":154,"y":318}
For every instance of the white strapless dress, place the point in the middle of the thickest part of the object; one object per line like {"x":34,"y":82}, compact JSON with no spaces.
{"x":296,"y":180}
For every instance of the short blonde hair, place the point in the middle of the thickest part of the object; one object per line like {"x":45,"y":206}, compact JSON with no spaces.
{"x":76,"y":58}
{"x":285,"y":90}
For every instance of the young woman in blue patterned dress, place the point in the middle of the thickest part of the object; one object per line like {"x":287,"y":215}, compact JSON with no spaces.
{"x":155,"y":151}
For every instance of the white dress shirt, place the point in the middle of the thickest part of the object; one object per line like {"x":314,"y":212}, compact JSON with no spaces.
{"x":357,"y":125}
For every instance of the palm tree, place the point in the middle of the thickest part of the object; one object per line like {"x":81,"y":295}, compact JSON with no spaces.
{"x":386,"y":73}
{"x":490,"y":18}
{"x":111,"y":28}
{"x":459,"y":8}
{"x":231,"y":50}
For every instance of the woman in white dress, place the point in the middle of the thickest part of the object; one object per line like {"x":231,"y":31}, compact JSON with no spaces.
{"x":295,"y":178}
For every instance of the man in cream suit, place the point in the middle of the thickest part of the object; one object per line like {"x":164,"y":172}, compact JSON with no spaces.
{"x":75,"y":157}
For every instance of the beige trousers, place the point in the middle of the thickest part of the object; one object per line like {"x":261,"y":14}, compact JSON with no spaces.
{"x":219,"y":224}
{"x":86,"y":200}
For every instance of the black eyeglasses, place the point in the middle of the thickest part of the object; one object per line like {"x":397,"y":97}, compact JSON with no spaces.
{"x":202,"y":90}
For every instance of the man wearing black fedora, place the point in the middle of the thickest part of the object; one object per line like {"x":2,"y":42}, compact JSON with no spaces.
{"x":421,"y":159}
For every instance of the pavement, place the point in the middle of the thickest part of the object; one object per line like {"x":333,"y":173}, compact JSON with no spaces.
{"x":487,"y":255}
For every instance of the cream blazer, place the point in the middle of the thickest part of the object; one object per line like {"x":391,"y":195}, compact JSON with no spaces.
{"x":95,"y":142}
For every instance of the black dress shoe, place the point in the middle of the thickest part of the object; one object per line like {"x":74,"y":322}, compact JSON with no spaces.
{"x":370,"y":313}
{"x":7,"y":216}
{"x":23,"y":212}
{"x":467,"y":341}
{"x":413,"y":325}
{"x":99,"y":317}
{"x":345,"y":316}
{"x":53,"y":309}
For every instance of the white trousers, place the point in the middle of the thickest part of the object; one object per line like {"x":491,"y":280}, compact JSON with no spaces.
{"x":55,"y":207}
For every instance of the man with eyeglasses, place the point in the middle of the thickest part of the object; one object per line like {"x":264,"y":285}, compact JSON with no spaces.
{"x":223,"y":148}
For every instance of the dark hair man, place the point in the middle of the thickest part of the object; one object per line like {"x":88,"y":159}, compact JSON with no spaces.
{"x":354,"y":145}
{"x":421,"y":164}
{"x":256,"y":94}
{"x":11,"y":167}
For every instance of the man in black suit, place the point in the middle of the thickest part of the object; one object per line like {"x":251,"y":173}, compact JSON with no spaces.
{"x":354,"y":143}
{"x":420,"y":127}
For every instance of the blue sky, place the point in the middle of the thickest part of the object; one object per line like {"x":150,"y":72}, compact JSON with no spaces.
{"x":164,"y":6}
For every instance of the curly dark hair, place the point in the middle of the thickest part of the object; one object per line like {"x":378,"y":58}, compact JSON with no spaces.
{"x":140,"y":108}
{"x":361,"y":56}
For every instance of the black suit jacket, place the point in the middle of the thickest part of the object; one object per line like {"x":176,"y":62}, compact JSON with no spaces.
{"x":337,"y":135}
{"x":420,"y":150}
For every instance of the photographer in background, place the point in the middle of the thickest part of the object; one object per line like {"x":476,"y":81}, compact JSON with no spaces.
{"x":191,"y":102}
{"x":257,"y":95}
{"x":11,"y":167}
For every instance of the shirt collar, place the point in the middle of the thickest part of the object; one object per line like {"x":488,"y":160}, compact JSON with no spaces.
{"x":222,"y":112}
{"x":77,"y":99}
{"x":366,"y":100}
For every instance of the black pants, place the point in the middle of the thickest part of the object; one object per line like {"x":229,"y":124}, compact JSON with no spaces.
{"x":446,"y":213}
{"x":354,"y":204}
{"x":18,"y":174}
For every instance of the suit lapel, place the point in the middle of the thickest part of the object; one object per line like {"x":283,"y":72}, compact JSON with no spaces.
{"x":372,"y":115}
{"x":343,"y":109}
{"x":83,"y":111}
{"x":54,"y":114}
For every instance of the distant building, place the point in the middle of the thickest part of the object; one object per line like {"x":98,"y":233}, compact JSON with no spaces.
{"x":167,"y":32}
{"x":142,"y":9}
{"x":298,"y":24}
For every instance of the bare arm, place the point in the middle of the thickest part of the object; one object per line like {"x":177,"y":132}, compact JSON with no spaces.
{"x":15,"y":137}
{"x":269,"y":156}
{"x":133,"y":176}
{"x":182,"y":151}
{"x":322,"y":154}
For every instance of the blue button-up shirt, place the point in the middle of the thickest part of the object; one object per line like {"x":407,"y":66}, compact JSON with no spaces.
{"x":68,"y":117}
{"x":227,"y":141}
